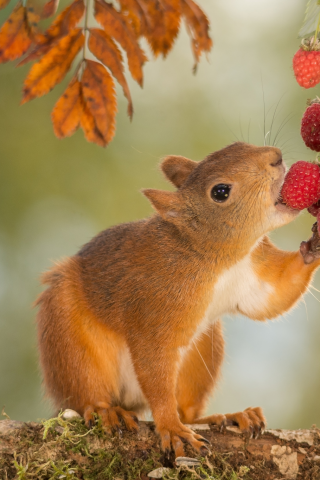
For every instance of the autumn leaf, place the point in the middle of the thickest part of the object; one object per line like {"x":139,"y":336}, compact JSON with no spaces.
{"x":136,"y":14}
{"x":53,"y":66}
{"x":67,"y":20}
{"x":198,"y":27}
{"x":49,"y":8}
{"x":14,"y":35}
{"x":99,"y":94}
{"x":64,"y":23}
{"x":68,"y":110}
{"x":90,"y":129}
{"x":3,"y":3}
{"x":105,"y":49}
{"x":163,"y":25}
{"x":117,"y":27}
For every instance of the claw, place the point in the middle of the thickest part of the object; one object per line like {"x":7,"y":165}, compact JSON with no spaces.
{"x":136,"y":420}
{"x":90,"y":424}
{"x":204,"y":440}
{"x":204,"y":451}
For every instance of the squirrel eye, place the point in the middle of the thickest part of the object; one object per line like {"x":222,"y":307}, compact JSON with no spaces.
{"x":220,"y":193}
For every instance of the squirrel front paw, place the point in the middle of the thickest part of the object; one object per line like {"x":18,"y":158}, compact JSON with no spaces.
{"x":174,"y":439}
{"x":310,"y":250}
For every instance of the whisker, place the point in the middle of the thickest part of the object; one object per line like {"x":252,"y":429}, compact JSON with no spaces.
{"x":204,"y":363}
{"x":274,"y":114}
{"x":282,"y":125}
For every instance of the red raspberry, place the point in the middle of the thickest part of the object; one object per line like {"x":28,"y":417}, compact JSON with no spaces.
{"x":301,"y":187}
{"x":306,"y":67}
{"x":310,"y":127}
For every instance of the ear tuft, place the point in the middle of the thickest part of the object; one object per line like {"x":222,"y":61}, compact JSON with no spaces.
{"x":165,"y":203}
{"x":177,"y":169}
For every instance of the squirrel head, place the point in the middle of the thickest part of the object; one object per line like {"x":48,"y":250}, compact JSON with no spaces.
{"x":232,"y":194}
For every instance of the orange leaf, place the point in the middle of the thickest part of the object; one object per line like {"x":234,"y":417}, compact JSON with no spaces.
{"x":3,"y":3}
{"x":64,"y":23}
{"x":105,"y":49}
{"x":53,"y":66}
{"x":14,"y":35}
{"x":67,"y":112}
{"x":50,"y":8}
{"x":163,"y":25}
{"x":117,"y":27}
{"x":67,"y":20}
{"x":198,"y":27}
{"x":99,"y":94}
{"x":90,"y":129}
{"x":135,"y":14}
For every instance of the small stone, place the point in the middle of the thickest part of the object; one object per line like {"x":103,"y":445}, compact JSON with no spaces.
{"x":187,"y":462}
{"x":68,"y":414}
{"x":301,"y":436}
{"x":159,"y":472}
{"x":199,"y":426}
{"x":302,"y":450}
{"x":316,"y":458}
{"x":8,"y":426}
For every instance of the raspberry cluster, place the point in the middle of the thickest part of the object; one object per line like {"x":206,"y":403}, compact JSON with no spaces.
{"x":306,"y":67}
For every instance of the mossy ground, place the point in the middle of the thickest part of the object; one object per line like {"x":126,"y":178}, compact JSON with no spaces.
{"x":66,"y":449}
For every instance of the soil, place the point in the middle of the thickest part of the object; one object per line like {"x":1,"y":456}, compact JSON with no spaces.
{"x":66,"y":449}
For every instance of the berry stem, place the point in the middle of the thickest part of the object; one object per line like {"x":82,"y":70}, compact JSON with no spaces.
{"x":316,"y":32}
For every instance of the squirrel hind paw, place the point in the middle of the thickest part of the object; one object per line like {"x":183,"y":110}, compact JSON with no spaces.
{"x":112,"y":418}
{"x":175,"y":440}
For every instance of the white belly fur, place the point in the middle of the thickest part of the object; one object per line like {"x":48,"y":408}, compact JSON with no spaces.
{"x":132,"y":397}
{"x":238,"y":288}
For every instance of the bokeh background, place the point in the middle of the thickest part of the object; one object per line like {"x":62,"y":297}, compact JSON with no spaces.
{"x":55,"y":195}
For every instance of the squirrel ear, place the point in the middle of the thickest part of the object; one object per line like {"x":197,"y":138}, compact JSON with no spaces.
{"x":177,"y":169}
{"x":165,"y":203}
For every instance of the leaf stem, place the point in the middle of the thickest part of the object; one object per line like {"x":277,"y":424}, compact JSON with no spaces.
{"x":85,"y":28}
{"x":315,"y":33}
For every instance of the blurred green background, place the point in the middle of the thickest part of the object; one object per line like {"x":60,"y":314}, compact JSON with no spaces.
{"x":56,"y":194}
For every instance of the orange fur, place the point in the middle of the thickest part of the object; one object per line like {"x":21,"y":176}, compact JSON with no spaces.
{"x":131,"y":321}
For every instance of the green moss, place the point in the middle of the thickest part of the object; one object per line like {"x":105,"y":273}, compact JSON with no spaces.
{"x":66,"y":449}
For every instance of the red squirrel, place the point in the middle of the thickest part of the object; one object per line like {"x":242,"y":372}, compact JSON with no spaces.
{"x":132,"y":321}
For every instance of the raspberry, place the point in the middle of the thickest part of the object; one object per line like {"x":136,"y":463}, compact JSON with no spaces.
{"x":306,"y":67}
{"x":310,"y":127}
{"x":301,"y":187}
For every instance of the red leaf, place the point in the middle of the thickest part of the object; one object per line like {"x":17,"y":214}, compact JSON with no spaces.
{"x":53,"y":66}
{"x":14,"y":35}
{"x":105,"y":49}
{"x":163,"y":24}
{"x":90,"y":129}
{"x":117,"y":27}
{"x":68,"y":110}
{"x":3,"y":3}
{"x":67,"y":20}
{"x":99,"y":94}
{"x":50,"y":8}
{"x":198,"y":26}
{"x":136,"y":15}
{"x":63,"y":24}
